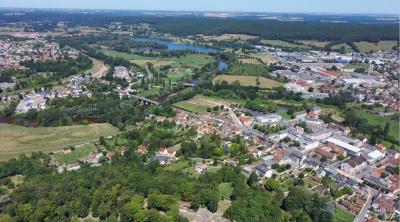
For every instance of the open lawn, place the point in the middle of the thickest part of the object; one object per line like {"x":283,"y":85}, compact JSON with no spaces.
{"x":194,"y":108}
{"x":343,"y":215}
{"x":249,"y":81}
{"x":228,"y":37}
{"x":357,"y":65}
{"x":318,"y":44}
{"x":16,"y":140}
{"x":124,"y":55}
{"x":225,"y":190}
{"x":375,"y":119}
{"x":75,"y":155}
{"x":180,"y":165}
{"x":283,"y":44}
{"x":152,"y":92}
{"x":347,"y":48}
{"x":246,"y":69}
{"x":382,"y":45}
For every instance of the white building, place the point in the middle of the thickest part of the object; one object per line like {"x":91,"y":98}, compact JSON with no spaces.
{"x":268,"y":119}
{"x":353,"y":150}
{"x":31,"y":101}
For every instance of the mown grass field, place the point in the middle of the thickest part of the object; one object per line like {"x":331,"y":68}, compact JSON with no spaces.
{"x":75,"y":154}
{"x":246,"y":69}
{"x":16,"y":140}
{"x":194,"y":108}
{"x":230,"y":37}
{"x":318,"y":44}
{"x":375,"y":119}
{"x":249,"y":61}
{"x":225,"y":190}
{"x":283,"y":44}
{"x":357,"y":65}
{"x":382,"y":45}
{"x":343,"y":215}
{"x":124,"y":55}
{"x":249,"y":81}
{"x":347,"y":48}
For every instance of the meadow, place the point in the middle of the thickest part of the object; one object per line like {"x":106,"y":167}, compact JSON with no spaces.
{"x":16,"y":140}
{"x":381,"y":45}
{"x":249,"y":81}
{"x":283,"y":44}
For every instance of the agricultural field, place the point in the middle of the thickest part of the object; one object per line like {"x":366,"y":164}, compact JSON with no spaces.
{"x":283,"y":44}
{"x":266,"y":59}
{"x":74,"y":155}
{"x":347,"y":48}
{"x":249,"y":61}
{"x":200,"y":103}
{"x":230,"y":37}
{"x":365,"y":47}
{"x":155,"y":63}
{"x":249,"y":81}
{"x":16,"y":140}
{"x":246,"y":69}
{"x":124,"y":55}
{"x":318,"y":44}
{"x":343,"y":215}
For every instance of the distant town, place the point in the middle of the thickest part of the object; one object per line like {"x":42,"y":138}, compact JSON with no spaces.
{"x":186,"y":126}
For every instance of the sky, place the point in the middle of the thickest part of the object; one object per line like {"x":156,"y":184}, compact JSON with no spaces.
{"x":290,"y":6}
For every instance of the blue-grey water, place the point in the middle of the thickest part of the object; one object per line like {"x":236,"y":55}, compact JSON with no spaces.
{"x":178,"y":46}
{"x":222,"y":65}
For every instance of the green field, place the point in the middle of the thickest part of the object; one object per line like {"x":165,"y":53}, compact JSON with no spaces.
{"x":16,"y":140}
{"x":343,"y":215}
{"x":318,"y":44}
{"x":283,"y":44}
{"x":75,"y":154}
{"x":178,"y":166}
{"x":246,"y":69}
{"x":357,"y":65}
{"x":194,"y":108}
{"x":225,"y":190}
{"x":190,"y":60}
{"x":124,"y":55}
{"x":375,"y":119}
{"x":347,"y":48}
{"x":382,"y":45}
{"x":248,"y":81}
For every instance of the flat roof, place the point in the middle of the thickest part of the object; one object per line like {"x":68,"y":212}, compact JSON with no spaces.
{"x":345,"y":145}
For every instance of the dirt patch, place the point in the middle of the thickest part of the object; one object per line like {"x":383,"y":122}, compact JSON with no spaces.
{"x":249,"y":61}
{"x":156,"y":63}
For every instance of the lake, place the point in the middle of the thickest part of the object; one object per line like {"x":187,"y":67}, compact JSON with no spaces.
{"x":178,"y":46}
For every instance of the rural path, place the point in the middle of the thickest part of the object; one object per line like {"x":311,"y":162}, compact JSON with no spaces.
{"x":149,"y":73}
{"x":98,"y":70}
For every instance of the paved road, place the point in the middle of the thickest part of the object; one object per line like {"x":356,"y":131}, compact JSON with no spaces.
{"x":235,"y":119}
{"x":361,"y":216}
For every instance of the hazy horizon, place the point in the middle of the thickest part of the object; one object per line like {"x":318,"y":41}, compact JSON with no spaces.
{"x":386,"y":7}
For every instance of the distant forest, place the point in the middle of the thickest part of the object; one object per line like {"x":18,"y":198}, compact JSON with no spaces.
{"x":187,"y":25}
